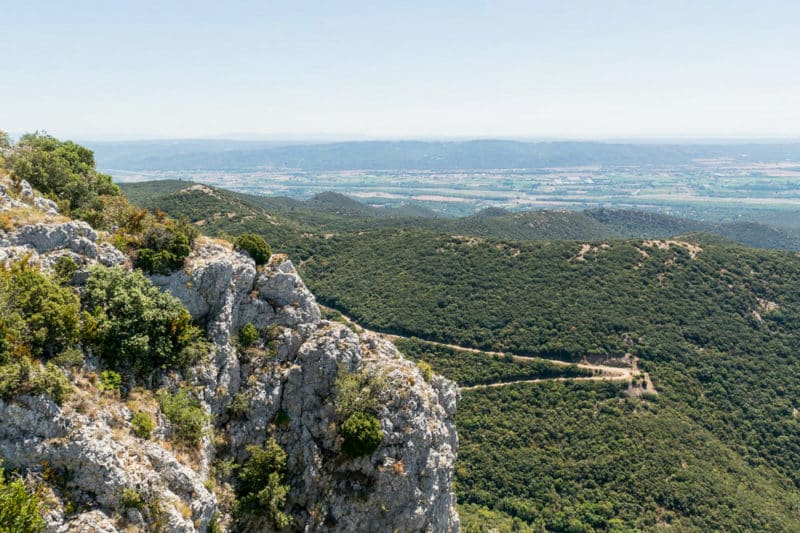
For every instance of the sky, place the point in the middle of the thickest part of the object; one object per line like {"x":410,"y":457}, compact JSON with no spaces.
{"x":401,"y":69}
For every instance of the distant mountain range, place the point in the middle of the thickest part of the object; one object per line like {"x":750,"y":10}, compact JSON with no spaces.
{"x":418,"y":155}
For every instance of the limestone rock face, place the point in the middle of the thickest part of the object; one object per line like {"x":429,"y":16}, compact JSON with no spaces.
{"x":44,"y":242}
{"x":406,"y":485}
{"x":294,"y":372}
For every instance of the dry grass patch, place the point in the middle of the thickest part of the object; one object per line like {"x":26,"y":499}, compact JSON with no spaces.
{"x":16,"y":217}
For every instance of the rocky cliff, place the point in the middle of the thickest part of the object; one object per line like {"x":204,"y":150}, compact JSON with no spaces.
{"x":286,"y":390}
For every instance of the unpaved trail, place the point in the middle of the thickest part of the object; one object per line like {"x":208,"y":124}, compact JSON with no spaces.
{"x":601,"y":372}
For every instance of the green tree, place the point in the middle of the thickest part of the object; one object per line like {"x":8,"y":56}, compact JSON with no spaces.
{"x":361,"y":434}
{"x":164,"y":246}
{"x":62,"y":169}
{"x":37,"y":311}
{"x":261,"y":489}
{"x":130,"y":324}
{"x":20,"y":509}
{"x":248,"y":335}
{"x":186,"y":414}
{"x":255,"y":246}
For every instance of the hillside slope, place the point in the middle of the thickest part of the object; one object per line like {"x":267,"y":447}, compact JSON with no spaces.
{"x":713,"y":323}
{"x":282,"y":219}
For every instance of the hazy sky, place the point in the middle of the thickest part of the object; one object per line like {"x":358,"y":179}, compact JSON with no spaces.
{"x":405,"y":68}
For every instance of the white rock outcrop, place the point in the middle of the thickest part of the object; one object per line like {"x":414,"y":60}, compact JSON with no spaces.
{"x":406,"y":485}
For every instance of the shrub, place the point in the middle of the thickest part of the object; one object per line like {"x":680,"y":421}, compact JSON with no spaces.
{"x":142,"y":424}
{"x":185,"y":414}
{"x":26,"y":377}
{"x":69,"y":358}
{"x":255,"y":246}
{"x":426,"y":369}
{"x":164,"y":246}
{"x":12,"y":376}
{"x":50,"y":380}
{"x":131,"y":499}
{"x":37,"y":311}
{"x":110,"y":381}
{"x":193,"y":353}
{"x":248,"y":335}
{"x":130,"y":324}
{"x":61,"y":169}
{"x":64,"y":269}
{"x":361,"y":434}
{"x":357,"y":391}
{"x":261,"y":489}
{"x":239,"y":405}
{"x":20,"y":509}
{"x":281,"y":418}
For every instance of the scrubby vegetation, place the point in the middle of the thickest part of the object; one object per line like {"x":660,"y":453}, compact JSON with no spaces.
{"x":134,"y":327}
{"x":248,"y":335}
{"x":255,"y":246}
{"x":361,"y":434}
{"x":63,"y":170}
{"x":143,"y":424}
{"x":39,"y":319}
{"x":356,"y":392}
{"x":185,"y":413}
{"x":164,"y":245}
{"x":20,"y":509}
{"x":39,"y":315}
{"x":110,"y":381}
{"x":262,"y":489}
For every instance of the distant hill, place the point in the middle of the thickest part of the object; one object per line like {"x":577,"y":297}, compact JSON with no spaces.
{"x":334,"y":212}
{"x":419,"y":155}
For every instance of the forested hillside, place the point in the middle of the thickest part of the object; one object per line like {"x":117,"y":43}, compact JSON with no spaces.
{"x":716,"y":445}
{"x":328,"y":212}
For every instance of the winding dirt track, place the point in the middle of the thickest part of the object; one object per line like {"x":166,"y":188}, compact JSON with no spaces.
{"x":601,"y":372}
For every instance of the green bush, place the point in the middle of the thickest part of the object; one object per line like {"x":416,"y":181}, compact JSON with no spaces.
{"x":361,"y":434}
{"x":27,"y":377}
{"x":50,"y":380}
{"x":20,"y":510}
{"x":357,"y":391}
{"x":69,"y":358}
{"x":262,"y":489}
{"x":63,"y":170}
{"x":282,"y":418}
{"x":131,"y":499}
{"x":239,"y":405}
{"x":164,"y":246}
{"x":142,"y":424}
{"x":248,"y":335}
{"x":185,"y":413}
{"x":255,"y":246}
{"x":130,"y":324}
{"x":426,"y":369}
{"x":110,"y":381}
{"x":65,"y":268}
{"x":37,"y":311}
{"x":12,"y":375}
